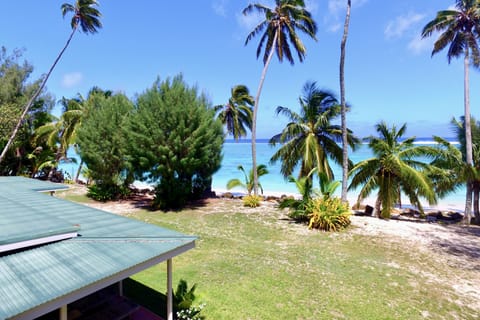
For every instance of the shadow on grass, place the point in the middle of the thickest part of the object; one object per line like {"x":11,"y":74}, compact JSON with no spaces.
{"x":146,"y":297}
{"x":145,"y":202}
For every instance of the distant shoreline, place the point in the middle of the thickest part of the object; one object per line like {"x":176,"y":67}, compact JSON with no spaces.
{"x":441,"y":206}
{"x":418,"y":140}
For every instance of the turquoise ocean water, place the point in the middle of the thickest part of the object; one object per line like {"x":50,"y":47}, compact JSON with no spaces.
{"x":239,"y":153}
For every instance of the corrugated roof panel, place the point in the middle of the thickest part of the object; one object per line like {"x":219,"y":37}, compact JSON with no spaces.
{"x":50,"y":271}
{"x":107,"y":245}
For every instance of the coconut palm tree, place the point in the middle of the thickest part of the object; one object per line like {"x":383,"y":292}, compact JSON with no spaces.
{"x":278,"y":32}
{"x":61,"y":133}
{"x":448,"y":170}
{"x":310,"y":139}
{"x":470,"y":175}
{"x":236,"y":115}
{"x":395,"y":168}
{"x":344,"y":103}
{"x":85,"y":16}
{"x":460,"y":29}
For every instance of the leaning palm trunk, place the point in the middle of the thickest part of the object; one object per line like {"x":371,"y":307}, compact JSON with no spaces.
{"x":254,"y":120}
{"x":80,"y":166}
{"x":344,"y":105}
{"x":32,"y":99}
{"x":468,"y":138}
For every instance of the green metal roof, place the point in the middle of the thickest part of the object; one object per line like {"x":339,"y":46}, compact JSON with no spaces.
{"x":108,"y":247}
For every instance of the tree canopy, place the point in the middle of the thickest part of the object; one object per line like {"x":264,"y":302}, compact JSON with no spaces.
{"x":16,"y":86}
{"x":175,"y":141}
{"x":102,"y":143}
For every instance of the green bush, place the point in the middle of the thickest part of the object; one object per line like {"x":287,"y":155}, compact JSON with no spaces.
{"x":183,"y":299}
{"x":298,"y":208}
{"x":252,"y":201}
{"x":329,"y":214}
{"x":103,"y":192}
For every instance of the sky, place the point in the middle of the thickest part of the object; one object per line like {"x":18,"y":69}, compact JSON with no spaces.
{"x":390,"y":74}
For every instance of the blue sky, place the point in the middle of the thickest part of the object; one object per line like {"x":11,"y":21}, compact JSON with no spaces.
{"x":390,"y":74}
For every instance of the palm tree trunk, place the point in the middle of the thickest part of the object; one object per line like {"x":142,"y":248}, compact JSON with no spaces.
{"x":79,"y":170}
{"x":344,"y":105}
{"x":468,"y":138}
{"x":32,"y":99}
{"x":476,"y":202}
{"x":378,"y":207}
{"x":254,"y":120}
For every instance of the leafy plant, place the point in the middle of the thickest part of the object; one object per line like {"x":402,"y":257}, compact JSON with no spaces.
{"x":298,"y":207}
{"x":106,"y":192}
{"x":192,"y":313}
{"x":248,"y":182}
{"x":252,"y":201}
{"x":329,"y":214}
{"x":327,"y":186}
{"x":183,"y":299}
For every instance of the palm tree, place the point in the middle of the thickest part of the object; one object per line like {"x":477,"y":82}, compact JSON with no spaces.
{"x":344,"y":104}
{"x":461,"y":29}
{"x":309,"y":139}
{"x":237,"y":113}
{"x":395,"y":168}
{"x":61,"y":134}
{"x":248,"y":179}
{"x":471,"y":175}
{"x":448,"y":170}
{"x":85,"y":16}
{"x":278,"y":32}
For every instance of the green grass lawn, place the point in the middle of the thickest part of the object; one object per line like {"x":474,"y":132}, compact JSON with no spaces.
{"x":254,"y":264}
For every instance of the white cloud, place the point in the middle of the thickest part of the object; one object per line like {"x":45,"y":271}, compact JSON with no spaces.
{"x":402,"y":24}
{"x":418,"y":45}
{"x":220,"y":7}
{"x":70,"y":80}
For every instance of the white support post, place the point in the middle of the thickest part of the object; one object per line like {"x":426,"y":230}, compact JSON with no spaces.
{"x":63,"y":312}
{"x":169,"y":290}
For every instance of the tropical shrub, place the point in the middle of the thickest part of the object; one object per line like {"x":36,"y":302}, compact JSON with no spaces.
{"x":248,"y":179}
{"x":329,"y":214}
{"x":252,"y":200}
{"x":298,"y":207}
{"x":102,"y":192}
{"x":174,"y":141}
{"x":183,"y":299}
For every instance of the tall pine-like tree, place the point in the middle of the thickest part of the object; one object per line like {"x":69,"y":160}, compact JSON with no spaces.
{"x":103,"y":144}
{"x":175,"y":141}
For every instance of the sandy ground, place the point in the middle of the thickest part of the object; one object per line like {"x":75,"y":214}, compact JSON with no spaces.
{"x":452,"y":245}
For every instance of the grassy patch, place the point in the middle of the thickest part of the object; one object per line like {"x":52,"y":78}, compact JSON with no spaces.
{"x":254,"y":264}
{"x":257,"y":266}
